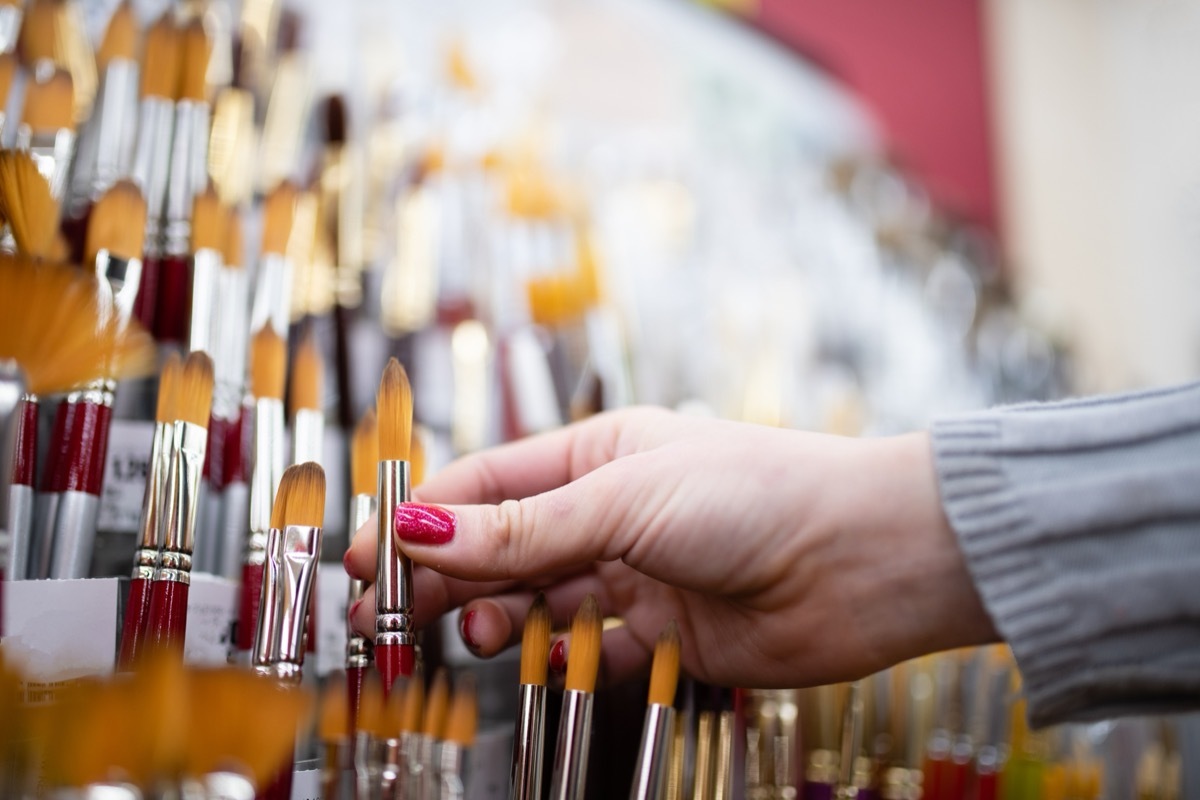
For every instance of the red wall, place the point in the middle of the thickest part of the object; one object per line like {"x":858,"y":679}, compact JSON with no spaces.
{"x":919,"y":65}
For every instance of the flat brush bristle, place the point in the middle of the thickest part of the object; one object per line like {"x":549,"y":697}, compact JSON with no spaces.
{"x":414,"y":703}
{"x":49,"y":103}
{"x":232,"y":249}
{"x":192,"y":85}
{"x":436,"y":706}
{"x":161,"y":59}
{"x":307,"y":369}
{"x":8,"y":70}
{"x":208,"y":222}
{"x":39,"y":36}
{"x":535,"y":643}
{"x":279,"y":506}
{"x":117,"y":223}
{"x":395,"y":707}
{"x":394,"y":406}
{"x":464,"y":713}
{"x":279,"y":210}
{"x":120,"y":38}
{"x":268,"y":363}
{"x":27,"y":204}
{"x":333,"y":721}
{"x":364,"y":455}
{"x":195,"y":389}
{"x":371,"y":707}
{"x":168,"y":389}
{"x":306,"y":500}
{"x":664,"y":675}
{"x":583,"y":662}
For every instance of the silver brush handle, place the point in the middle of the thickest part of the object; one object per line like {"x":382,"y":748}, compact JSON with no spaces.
{"x":649,"y":776}
{"x":569,"y":780}
{"x":529,"y":744}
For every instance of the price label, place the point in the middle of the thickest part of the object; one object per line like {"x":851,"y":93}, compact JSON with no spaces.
{"x":125,"y":475}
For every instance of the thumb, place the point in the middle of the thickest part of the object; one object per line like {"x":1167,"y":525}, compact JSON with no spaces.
{"x":573,"y":525}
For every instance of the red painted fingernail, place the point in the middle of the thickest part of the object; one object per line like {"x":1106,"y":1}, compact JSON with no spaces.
{"x":558,"y":656}
{"x":418,"y":523}
{"x":354,"y":608}
{"x":464,"y":630}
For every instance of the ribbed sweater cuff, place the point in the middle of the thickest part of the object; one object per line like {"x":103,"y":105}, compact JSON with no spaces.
{"x":1080,"y":524}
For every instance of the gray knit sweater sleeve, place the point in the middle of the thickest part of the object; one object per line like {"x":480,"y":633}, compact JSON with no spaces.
{"x":1080,"y":522}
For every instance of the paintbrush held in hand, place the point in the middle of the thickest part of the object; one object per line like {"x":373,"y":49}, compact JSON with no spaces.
{"x":529,"y":739}
{"x":569,"y":778}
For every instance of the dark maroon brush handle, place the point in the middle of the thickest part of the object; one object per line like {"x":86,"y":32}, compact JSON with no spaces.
{"x":25,"y":454}
{"x":135,"y":626}
{"x":394,"y":661}
{"x":168,"y":615}
{"x":172,"y":313}
{"x":78,"y":446}
{"x":147,"y":296}
{"x":355,"y":677}
{"x":252,"y":580}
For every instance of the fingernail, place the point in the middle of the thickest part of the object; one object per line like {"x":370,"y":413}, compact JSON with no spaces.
{"x":464,"y":630}
{"x":418,"y":523}
{"x":346,"y":561}
{"x":354,"y":608}
{"x":558,"y":656}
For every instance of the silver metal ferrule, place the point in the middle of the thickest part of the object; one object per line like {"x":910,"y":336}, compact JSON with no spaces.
{"x":19,"y":532}
{"x":16,"y":502}
{"x":156,"y":478}
{"x":177,"y":525}
{"x":51,"y":152}
{"x":105,"y":152}
{"x":228,"y":786}
{"x":359,"y":652}
{"x":308,"y":435}
{"x":451,"y":760}
{"x":529,"y":743}
{"x":723,"y":783}
{"x":393,"y":773}
{"x":229,"y":353}
{"x":10,"y":27}
{"x":152,"y":163}
{"x":653,"y":764}
{"x":393,"y":570}
{"x":366,"y":768}
{"x":122,"y":277}
{"x":182,"y":187}
{"x":202,"y":324}
{"x":569,"y":779}
{"x":272,"y":294}
{"x":267,"y":468}
{"x":422,"y":769}
{"x":291,"y":566}
{"x":67,"y":522}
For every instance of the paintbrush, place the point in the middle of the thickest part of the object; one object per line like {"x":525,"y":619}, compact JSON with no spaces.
{"x":273,"y":287}
{"x":230,"y":476}
{"x":334,"y":730}
{"x":10,"y":25}
{"x":368,"y":728}
{"x":114,"y":244}
{"x":423,"y":768}
{"x":389,"y":752}
{"x":461,"y":726}
{"x":649,"y":777}
{"x":569,"y":779}
{"x":364,"y":461}
{"x":47,"y":128}
{"x":162,"y":55}
{"x":136,"y":624}
{"x":177,"y":520}
{"x":187,"y":178}
{"x":308,"y":422}
{"x":231,"y":143}
{"x":268,"y":362}
{"x":394,"y":636}
{"x":293,"y":548}
{"x":411,"y":732}
{"x":529,"y":740}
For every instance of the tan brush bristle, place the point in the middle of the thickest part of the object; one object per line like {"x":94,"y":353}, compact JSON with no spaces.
{"x":333,"y":721}
{"x":664,"y":675}
{"x":232,"y":252}
{"x":192,"y":84}
{"x":416,"y":460}
{"x":117,"y":223}
{"x":394,"y":406}
{"x":394,"y":713}
{"x":195,"y":389}
{"x":161,"y":59}
{"x":279,"y":507}
{"x":583,"y":661}
{"x":414,"y":703}
{"x":208,"y":222}
{"x":306,"y":500}
{"x":49,"y":103}
{"x":535,"y":643}
{"x":279,"y":211}
{"x":8,"y":70}
{"x":463,"y":720}
{"x":39,"y":36}
{"x":437,"y":705}
{"x":307,"y":369}
{"x":371,"y":707}
{"x":168,"y":389}
{"x":120,"y":38}
{"x":268,"y":363}
{"x":28,"y":206}
{"x":364,"y":455}
{"x":268,"y":732}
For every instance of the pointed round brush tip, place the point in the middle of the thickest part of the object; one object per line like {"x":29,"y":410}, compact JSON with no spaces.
{"x":664,"y":674}
{"x":161,"y":59}
{"x":208,"y":221}
{"x":583,"y":664}
{"x":307,"y":369}
{"x":394,"y":406}
{"x":463,"y":719}
{"x":437,"y":705}
{"x":117,"y":223}
{"x":535,"y":643}
{"x":168,"y":389}
{"x":193,"y":84}
{"x":195,"y":389}
{"x":364,"y":455}
{"x":268,"y":364}
{"x":50,"y":103}
{"x":333,"y":722}
{"x":120,"y":37}
{"x":279,"y":211}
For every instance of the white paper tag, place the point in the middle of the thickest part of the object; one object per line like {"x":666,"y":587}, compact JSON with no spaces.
{"x":58,"y":630}
{"x":125,"y":475}
{"x":306,"y":784}
{"x":333,"y":586}
{"x":212,"y":608}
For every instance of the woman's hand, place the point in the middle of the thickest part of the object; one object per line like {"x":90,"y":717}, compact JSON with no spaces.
{"x":788,"y":558}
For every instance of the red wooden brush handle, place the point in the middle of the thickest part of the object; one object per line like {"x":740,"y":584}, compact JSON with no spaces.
{"x":174,"y":297}
{"x":394,"y":661}
{"x":75,"y":458}
{"x":214,"y":454}
{"x":143,"y":304}
{"x":25,"y":453}
{"x":136,"y":625}
{"x":355,"y":677}
{"x":168,"y":614}
{"x":252,"y":579}
{"x":280,"y":787}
